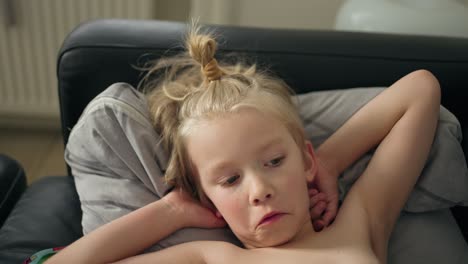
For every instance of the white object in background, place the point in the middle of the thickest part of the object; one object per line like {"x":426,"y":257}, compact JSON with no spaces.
{"x":423,"y":17}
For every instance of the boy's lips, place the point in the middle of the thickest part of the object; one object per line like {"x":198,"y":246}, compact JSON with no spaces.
{"x":270,"y":216}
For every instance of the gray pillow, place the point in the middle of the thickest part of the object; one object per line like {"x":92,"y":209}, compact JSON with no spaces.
{"x":444,"y":180}
{"x":428,"y":237}
{"x":118,"y":167}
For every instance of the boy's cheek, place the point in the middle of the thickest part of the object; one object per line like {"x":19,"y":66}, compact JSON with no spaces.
{"x":230,"y":209}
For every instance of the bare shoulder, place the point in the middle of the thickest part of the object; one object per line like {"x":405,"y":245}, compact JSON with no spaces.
{"x":197,"y":252}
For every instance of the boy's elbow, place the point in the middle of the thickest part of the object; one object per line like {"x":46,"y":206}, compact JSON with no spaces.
{"x":429,"y":86}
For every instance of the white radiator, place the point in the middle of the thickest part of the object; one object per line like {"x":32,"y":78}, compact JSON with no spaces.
{"x":31,"y":33}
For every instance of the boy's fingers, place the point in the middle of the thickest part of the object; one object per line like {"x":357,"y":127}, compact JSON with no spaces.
{"x":313,"y":191}
{"x":316,"y":198}
{"x":317,"y":210}
{"x":318,"y":225}
{"x":220,"y":223}
{"x":328,"y":217}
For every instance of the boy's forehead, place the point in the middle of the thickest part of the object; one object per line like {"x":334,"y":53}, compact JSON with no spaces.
{"x":244,"y":131}
{"x":277,"y":140}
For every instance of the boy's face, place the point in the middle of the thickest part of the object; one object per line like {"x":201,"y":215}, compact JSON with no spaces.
{"x":249,"y":165}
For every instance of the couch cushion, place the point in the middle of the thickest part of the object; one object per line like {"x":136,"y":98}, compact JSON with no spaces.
{"x":47,"y":215}
{"x":13,"y":184}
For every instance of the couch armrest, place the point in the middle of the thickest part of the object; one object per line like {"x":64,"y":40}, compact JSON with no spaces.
{"x":460,"y":213}
{"x":47,"y":215}
{"x":12,"y":185}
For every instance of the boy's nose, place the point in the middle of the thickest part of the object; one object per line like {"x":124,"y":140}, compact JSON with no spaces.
{"x":261,"y":186}
{"x":258,"y":200}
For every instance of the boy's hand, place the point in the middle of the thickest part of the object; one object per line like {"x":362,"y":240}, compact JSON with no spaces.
{"x":318,"y":204}
{"x":193,"y":212}
{"x":323,"y":193}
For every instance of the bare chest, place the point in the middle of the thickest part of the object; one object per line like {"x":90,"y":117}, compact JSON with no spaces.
{"x":308,"y":255}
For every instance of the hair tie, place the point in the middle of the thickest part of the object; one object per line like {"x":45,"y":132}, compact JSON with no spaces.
{"x":212,"y":70}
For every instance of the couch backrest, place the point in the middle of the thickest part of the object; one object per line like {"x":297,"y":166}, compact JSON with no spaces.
{"x":99,"y":53}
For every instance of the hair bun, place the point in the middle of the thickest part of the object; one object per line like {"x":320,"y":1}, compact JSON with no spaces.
{"x":202,"y":49}
{"x":212,"y":70}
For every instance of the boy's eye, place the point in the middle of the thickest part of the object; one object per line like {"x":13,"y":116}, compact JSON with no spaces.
{"x":232,"y":180}
{"x":275,"y":162}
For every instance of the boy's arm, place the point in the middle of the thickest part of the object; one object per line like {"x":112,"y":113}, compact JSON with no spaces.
{"x":362,"y":132}
{"x":402,"y":121}
{"x":131,"y":234}
{"x":359,"y":135}
{"x":193,"y":252}
{"x":123,"y":237}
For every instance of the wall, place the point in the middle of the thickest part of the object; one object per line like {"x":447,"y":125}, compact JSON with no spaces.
{"x":31,"y":33}
{"x":300,"y":14}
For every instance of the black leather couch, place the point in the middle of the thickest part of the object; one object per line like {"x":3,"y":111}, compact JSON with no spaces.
{"x":13,"y":184}
{"x":99,"y":53}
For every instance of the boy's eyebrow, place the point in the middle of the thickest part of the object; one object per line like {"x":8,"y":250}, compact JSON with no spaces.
{"x":270,"y":143}
{"x":224,"y":164}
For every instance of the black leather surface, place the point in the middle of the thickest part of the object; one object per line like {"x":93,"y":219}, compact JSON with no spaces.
{"x":12,"y":185}
{"x":47,"y":215}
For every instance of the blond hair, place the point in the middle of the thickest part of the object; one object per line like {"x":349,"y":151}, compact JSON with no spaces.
{"x":194,"y":88}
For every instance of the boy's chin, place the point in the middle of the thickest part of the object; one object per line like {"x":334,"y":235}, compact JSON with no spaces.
{"x":273,"y":240}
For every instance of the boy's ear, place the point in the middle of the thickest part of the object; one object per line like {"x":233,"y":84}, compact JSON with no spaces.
{"x":310,"y":161}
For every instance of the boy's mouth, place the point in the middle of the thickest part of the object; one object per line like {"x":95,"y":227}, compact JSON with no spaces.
{"x":270,"y":217}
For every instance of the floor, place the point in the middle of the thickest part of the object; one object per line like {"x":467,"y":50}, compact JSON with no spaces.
{"x":40,"y":152}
